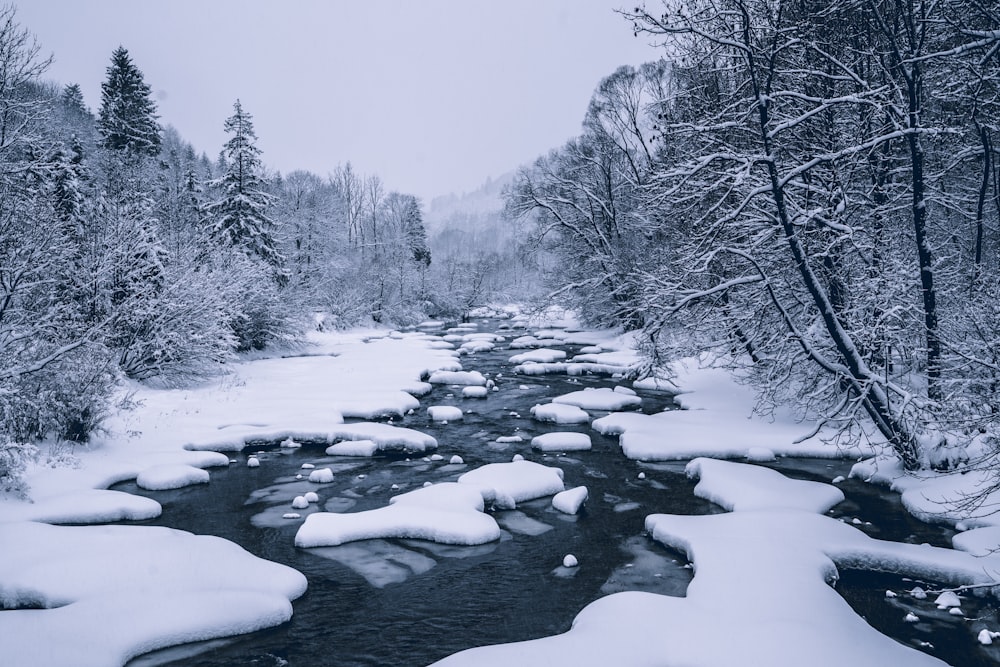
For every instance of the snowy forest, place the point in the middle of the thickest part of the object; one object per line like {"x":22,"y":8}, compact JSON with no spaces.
{"x":724,"y":364}
{"x":125,"y":254}
{"x":808,"y":191}
{"x":823,"y":213}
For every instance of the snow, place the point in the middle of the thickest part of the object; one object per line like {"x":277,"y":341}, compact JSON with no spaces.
{"x":85,"y":506}
{"x":569,"y":560}
{"x":763,"y":581}
{"x":571,"y":500}
{"x":599,"y":399}
{"x":300,"y":503}
{"x":560,"y":414}
{"x":474,"y":392}
{"x":447,"y":513}
{"x":353,"y":448}
{"x":561,"y":442}
{"x":456,"y":460}
{"x":506,"y":484}
{"x":311,"y":497}
{"x":947,"y":600}
{"x":542,"y":355}
{"x":979,"y":541}
{"x":741,"y":487}
{"x":170,"y":476}
{"x":508,"y":439}
{"x":457,"y":377}
{"x":541,"y":369}
{"x":655,"y":384}
{"x":112,"y":592}
{"x":321,"y":476}
{"x":523,"y":342}
{"x":253,"y":462}
{"x":444,"y":413}
{"x":475,"y":346}
{"x":718,"y":421}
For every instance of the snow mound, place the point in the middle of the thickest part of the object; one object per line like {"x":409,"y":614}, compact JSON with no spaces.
{"x":321,"y":476}
{"x":87,"y":506}
{"x":560,"y":413}
{"x":457,"y":377}
{"x":353,"y":448}
{"x":154,"y":587}
{"x":745,"y":487}
{"x":474,"y":392}
{"x":525,"y":342}
{"x":571,"y":500}
{"x":599,"y":399}
{"x":541,"y":368}
{"x":654,"y":384}
{"x":506,"y":484}
{"x":561,"y":442}
{"x":756,"y":571}
{"x":444,"y":413}
{"x":543,"y":355}
{"x":475,"y":346}
{"x":170,"y":476}
{"x":979,"y":541}
{"x":447,"y":513}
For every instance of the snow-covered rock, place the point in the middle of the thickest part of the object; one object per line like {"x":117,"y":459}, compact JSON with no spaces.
{"x":506,"y":484}
{"x":444,"y":413}
{"x":321,"y":476}
{"x":559,"y":413}
{"x":170,"y":476}
{"x":599,"y":399}
{"x":474,"y":392}
{"x":457,"y":377}
{"x":561,"y":442}
{"x":447,"y":513}
{"x":571,"y":500}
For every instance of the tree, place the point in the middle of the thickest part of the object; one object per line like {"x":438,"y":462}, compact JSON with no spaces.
{"x":127,"y":120}
{"x":72,"y":99}
{"x":239,"y":217}
{"x":795,"y":180}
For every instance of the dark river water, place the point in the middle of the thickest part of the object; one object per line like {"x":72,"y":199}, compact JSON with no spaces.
{"x":409,"y":602}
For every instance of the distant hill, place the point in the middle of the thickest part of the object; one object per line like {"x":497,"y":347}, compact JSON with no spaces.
{"x":473,"y":211}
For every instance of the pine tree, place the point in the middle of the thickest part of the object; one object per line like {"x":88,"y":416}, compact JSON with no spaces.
{"x":240,"y":218}
{"x":128,"y":112}
{"x":72,"y":99}
{"x":416,"y":235}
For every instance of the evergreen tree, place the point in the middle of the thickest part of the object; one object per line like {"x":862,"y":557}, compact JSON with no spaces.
{"x":416,"y":235}
{"x":72,"y":99}
{"x":240,"y":217}
{"x":128,"y":113}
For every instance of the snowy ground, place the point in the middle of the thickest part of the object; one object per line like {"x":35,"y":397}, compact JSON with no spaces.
{"x":757,"y":566}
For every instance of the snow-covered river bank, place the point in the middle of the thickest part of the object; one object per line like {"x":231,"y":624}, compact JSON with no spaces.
{"x":764,"y":547}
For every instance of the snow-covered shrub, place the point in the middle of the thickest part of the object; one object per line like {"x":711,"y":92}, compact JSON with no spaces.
{"x":14,"y":458}
{"x":68,"y":399}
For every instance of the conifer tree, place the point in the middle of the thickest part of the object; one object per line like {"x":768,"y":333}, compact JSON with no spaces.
{"x":239,"y":217}
{"x":128,"y":113}
{"x":72,"y":99}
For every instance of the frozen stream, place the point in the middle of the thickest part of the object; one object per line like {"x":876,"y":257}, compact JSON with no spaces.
{"x":408,"y":602}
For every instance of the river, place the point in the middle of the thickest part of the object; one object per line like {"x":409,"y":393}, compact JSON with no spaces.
{"x":409,"y":603}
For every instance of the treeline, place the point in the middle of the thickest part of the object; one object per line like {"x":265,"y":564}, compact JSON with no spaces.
{"x":810,"y":189}
{"x":124,"y":253}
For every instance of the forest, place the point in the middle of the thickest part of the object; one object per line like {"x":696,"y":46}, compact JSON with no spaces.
{"x":806,"y":193}
{"x":127,"y":256}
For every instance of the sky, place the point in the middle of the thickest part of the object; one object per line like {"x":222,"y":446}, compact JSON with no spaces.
{"x":434,"y":96}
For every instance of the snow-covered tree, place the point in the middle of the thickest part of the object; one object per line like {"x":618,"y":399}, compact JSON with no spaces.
{"x":127,"y":118}
{"x":239,"y":217}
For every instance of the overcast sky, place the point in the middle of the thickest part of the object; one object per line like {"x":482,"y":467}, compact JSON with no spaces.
{"x":432,"y":95}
